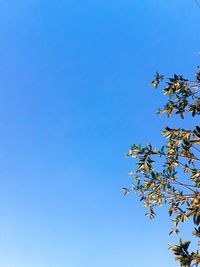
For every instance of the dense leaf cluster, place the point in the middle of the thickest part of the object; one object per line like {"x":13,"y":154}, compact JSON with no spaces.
{"x":171,"y":175}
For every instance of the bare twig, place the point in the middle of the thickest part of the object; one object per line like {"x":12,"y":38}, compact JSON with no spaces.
{"x":197,"y":3}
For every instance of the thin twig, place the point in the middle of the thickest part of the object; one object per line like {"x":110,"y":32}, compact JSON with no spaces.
{"x":195,"y":148}
{"x":197,"y":3}
{"x":184,"y":185}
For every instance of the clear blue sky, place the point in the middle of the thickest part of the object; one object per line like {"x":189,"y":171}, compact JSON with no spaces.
{"x":74,"y":95}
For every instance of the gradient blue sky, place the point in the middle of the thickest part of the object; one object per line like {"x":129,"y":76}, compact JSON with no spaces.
{"x":74,"y":95}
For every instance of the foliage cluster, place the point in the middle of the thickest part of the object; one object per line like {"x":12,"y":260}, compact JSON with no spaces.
{"x":171,"y":175}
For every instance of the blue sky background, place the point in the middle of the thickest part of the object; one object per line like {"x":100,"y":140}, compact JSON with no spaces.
{"x":74,"y":95}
